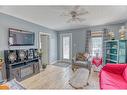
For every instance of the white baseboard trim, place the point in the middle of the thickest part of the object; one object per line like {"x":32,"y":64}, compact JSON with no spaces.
{"x":54,"y":62}
{"x":64,"y":61}
{"x":60,"y":61}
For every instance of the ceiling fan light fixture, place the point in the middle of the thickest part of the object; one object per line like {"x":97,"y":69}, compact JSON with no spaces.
{"x":75,"y":14}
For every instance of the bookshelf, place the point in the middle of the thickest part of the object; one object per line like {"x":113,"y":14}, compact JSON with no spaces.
{"x":115,"y":51}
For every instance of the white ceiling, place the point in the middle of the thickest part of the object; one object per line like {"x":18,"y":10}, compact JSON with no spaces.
{"x":50,"y":16}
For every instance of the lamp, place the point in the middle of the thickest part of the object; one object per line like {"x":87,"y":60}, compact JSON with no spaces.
{"x":122,"y":32}
{"x":111,"y":35}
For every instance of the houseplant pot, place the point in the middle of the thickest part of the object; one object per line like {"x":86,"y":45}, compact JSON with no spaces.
{"x":44,"y":66}
{"x":40,"y":53}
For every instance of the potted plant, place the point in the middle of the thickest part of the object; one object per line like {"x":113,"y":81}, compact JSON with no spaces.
{"x":40,"y":52}
{"x":44,"y":66}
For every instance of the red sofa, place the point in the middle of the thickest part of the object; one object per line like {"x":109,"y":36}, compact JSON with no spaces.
{"x":113,"y":76}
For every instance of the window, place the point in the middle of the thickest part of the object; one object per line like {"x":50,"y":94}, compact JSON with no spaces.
{"x":96,"y":46}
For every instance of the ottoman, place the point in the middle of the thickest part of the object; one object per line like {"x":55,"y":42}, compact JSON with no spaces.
{"x":80,"y":78}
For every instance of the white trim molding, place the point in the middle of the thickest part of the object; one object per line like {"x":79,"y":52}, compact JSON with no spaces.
{"x":53,"y":62}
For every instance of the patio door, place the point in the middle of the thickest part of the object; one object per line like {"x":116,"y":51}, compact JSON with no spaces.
{"x":66,"y":47}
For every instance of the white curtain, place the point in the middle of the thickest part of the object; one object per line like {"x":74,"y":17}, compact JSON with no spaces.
{"x":88,"y":39}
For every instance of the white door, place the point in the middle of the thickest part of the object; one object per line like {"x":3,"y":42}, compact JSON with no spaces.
{"x":44,"y":46}
{"x":66,"y":48}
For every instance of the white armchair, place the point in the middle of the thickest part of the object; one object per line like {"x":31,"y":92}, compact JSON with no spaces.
{"x":81,"y":60}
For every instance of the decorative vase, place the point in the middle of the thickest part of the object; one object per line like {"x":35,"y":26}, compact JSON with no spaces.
{"x":122,"y":32}
{"x":111,"y":36}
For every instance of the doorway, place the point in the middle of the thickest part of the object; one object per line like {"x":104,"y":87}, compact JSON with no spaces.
{"x":44,"y":47}
{"x":66,"y":47}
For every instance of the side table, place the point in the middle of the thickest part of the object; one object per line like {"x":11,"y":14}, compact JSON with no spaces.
{"x":2,"y":72}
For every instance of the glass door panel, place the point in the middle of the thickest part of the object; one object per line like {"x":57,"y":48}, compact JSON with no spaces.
{"x":66,"y":47}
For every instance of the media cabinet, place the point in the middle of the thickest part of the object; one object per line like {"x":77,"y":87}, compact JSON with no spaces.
{"x":21,"y":68}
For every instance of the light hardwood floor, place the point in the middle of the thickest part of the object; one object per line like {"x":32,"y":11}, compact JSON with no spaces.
{"x":54,"y":77}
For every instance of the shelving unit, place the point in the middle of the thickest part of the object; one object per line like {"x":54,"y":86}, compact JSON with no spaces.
{"x":115,"y":51}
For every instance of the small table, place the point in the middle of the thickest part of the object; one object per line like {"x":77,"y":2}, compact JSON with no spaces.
{"x":80,"y":78}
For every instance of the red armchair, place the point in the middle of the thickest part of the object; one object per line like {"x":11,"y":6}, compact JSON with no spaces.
{"x":113,"y":76}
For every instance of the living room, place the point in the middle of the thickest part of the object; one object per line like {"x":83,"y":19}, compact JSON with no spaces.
{"x":63,"y":47}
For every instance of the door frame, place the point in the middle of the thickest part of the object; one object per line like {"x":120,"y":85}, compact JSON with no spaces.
{"x":61,"y":53}
{"x":39,"y":39}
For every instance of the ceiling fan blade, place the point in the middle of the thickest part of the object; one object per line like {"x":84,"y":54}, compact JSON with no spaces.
{"x":82,"y":13}
{"x":76,"y":20}
{"x":64,"y":15}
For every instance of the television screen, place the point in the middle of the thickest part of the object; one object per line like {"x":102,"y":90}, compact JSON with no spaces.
{"x":20,"y":37}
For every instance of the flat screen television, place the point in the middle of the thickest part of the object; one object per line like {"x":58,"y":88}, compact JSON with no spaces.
{"x":20,"y":37}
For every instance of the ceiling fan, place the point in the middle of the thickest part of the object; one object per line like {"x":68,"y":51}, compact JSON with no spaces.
{"x":74,"y":13}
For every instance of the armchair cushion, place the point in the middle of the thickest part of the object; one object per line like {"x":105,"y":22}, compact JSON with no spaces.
{"x":82,"y":56}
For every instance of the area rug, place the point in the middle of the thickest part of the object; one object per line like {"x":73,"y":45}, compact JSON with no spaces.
{"x":60,"y":64}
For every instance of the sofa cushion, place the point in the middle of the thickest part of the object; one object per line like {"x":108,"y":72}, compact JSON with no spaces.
{"x":112,"y":81}
{"x":125,"y":74}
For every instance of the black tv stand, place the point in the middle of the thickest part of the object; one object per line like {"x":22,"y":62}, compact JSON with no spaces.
{"x":21,"y":70}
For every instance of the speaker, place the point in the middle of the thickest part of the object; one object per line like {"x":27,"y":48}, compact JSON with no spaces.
{"x":10,"y":56}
